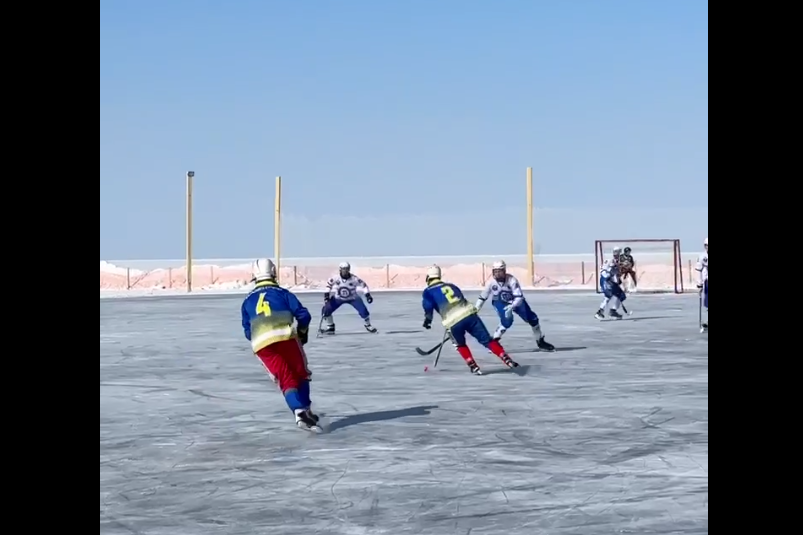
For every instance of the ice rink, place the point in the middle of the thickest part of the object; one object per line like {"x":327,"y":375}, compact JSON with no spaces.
{"x":607,"y":436}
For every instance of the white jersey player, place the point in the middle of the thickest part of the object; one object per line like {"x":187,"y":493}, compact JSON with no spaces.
{"x":610,"y":284}
{"x":345,"y":288}
{"x":702,"y":284}
{"x":507,"y":297}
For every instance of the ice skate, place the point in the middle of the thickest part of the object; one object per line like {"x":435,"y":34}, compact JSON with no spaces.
{"x":314,"y":417}
{"x":474,"y":367}
{"x":328,"y":329}
{"x":509,"y":362}
{"x":307,"y":421}
{"x":600,"y":315}
{"x":704,"y":328}
{"x":543,"y":345}
{"x":370,"y":328}
{"x":615,"y":315}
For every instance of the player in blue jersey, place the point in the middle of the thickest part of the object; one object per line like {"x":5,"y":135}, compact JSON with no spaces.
{"x":460,"y":318}
{"x":610,"y":284}
{"x":268,"y":314}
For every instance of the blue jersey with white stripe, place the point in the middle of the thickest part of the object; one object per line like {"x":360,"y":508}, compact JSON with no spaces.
{"x":268,"y":313}
{"x":447,"y":300}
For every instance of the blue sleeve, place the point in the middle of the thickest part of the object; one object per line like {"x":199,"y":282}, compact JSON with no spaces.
{"x":300,"y":313}
{"x":246,"y":320}
{"x":427,"y":304}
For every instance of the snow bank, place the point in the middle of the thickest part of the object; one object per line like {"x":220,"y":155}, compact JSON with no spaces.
{"x":657,"y":272}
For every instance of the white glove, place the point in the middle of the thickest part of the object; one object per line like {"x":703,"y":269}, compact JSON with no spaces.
{"x":509,"y":311}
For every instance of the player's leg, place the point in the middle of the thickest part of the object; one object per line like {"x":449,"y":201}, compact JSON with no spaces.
{"x":297,"y":362}
{"x":705,"y":301}
{"x":505,"y":319}
{"x":329,"y":308}
{"x":607,"y":295}
{"x":526,"y":313}
{"x":365,"y":314}
{"x":283,"y":360}
{"x":476,"y":328}
{"x":458,"y":336}
{"x":634,"y":278}
{"x":618,"y":297}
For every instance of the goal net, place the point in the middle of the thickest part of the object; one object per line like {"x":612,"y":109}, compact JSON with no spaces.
{"x":658,"y":264}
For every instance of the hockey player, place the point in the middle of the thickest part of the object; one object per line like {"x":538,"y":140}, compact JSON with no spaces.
{"x":627,"y":267}
{"x":268,"y":313}
{"x":617,"y":254}
{"x":702,"y":285}
{"x":507,"y":297}
{"x":344,"y":288}
{"x":611,"y":286}
{"x":459,"y":318}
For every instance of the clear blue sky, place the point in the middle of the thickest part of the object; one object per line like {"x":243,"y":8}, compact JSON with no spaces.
{"x":401,"y":127}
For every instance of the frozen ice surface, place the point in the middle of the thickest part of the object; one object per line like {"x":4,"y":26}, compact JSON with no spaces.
{"x":607,"y":436}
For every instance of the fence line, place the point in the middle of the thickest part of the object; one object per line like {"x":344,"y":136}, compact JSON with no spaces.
{"x":656,"y":271}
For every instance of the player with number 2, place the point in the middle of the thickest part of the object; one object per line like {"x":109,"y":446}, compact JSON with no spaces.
{"x":460,"y":318}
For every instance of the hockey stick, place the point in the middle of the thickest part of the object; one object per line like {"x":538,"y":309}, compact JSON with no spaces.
{"x":425,"y":353}
{"x":318,"y":333}
{"x":446,"y":336}
{"x":700,"y":312}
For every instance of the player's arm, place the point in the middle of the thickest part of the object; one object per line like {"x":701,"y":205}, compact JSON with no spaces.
{"x":484,"y":295}
{"x":246,"y":319}
{"x":701,"y":269}
{"x":429,"y":308}
{"x":515,"y":288}
{"x":330,"y":285}
{"x":365,"y":289}
{"x":302,"y":316}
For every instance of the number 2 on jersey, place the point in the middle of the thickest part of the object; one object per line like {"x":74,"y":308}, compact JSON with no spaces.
{"x":448,"y":293}
{"x":263,"y":307}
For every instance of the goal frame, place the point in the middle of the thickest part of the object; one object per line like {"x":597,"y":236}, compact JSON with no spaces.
{"x":677,"y":260}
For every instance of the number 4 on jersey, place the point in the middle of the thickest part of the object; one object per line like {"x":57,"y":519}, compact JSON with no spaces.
{"x":263,"y":307}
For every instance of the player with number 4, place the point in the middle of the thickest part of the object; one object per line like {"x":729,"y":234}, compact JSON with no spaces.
{"x":507,"y":298}
{"x":268,"y":314}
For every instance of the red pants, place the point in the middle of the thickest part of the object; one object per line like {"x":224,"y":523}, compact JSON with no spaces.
{"x":286,"y":362}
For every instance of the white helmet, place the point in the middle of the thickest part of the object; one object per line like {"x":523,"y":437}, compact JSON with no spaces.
{"x":706,"y":242}
{"x":499,"y":264}
{"x":434,"y":272}
{"x":263,"y":269}
{"x":344,"y":265}
{"x":617,"y":251}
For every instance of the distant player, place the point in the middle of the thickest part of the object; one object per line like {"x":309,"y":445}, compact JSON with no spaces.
{"x":627,"y":267}
{"x":459,"y":318}
{"x":611,"y":285}
{"x":345,"y":288}
{"x":702,"y":285}
{"x":268,"y":313}
{"x":507,"y":297}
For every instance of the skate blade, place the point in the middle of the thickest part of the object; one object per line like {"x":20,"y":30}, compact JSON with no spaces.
{"x":315,"y":429}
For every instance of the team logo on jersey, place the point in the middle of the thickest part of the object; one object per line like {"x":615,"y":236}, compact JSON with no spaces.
{"x":344,"y":292}
{"x":507,"y":297}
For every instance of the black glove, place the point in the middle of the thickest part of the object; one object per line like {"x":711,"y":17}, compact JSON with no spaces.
{"x":326,"y":297}
{"x":303,"y":336}
{"x":369,"y":298}
{"x":427,"y":323}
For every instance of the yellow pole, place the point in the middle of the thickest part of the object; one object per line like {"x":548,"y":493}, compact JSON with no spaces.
{"x":277,"y":229}
{"x":530,"y":243}
{"x":190,"y":176}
